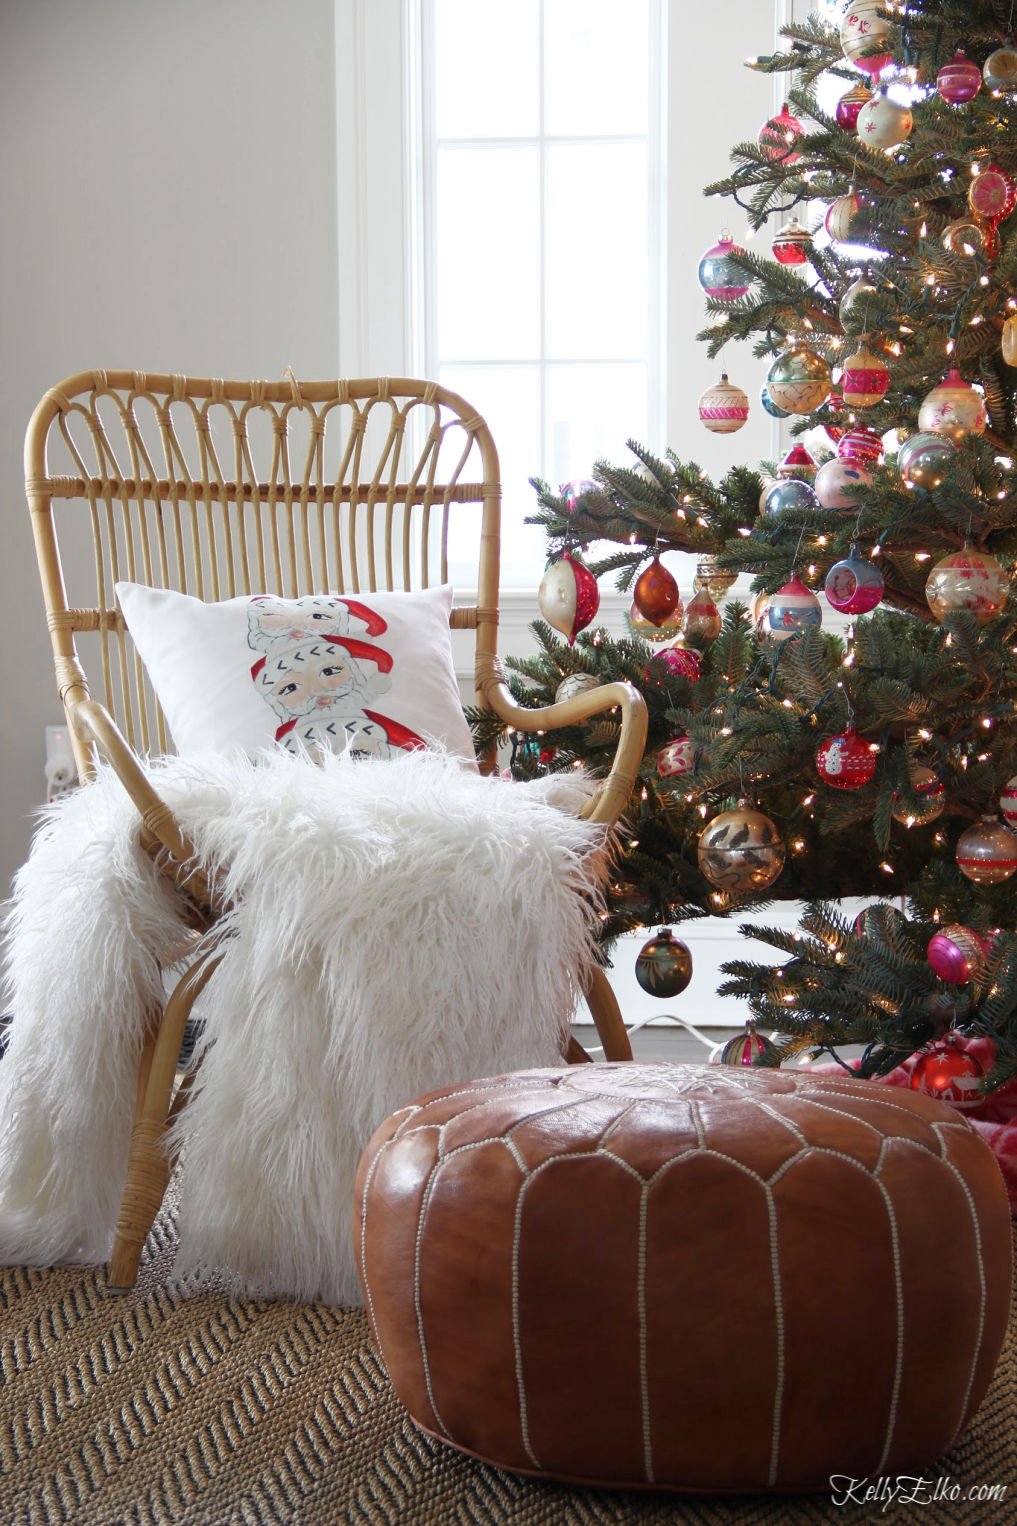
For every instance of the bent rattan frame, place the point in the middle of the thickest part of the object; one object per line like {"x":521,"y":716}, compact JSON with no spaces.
{"x":216,"y":488}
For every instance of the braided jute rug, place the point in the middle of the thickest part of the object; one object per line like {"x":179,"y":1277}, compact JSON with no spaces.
{"x":153,"y":1408}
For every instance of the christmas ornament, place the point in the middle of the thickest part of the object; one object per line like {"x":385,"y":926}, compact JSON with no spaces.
{"x":930,"y":798}
{"x":679,"y":660}
{"x":743,"y":1047}
{"x":853,"y":586}
{"x":1008,"y":341}
{"x":864,"y":379}
{"x":797,"y":463}
{"x":713,"y":579}
{"x":863,"y":36}
{"x":799,"y":380}
{"x":573,"y":491}
{"x":792,"y":244}
{"x":568,"y":596}
{"x":992,"y":195}
{"x":841,"y":216}
{"x":845,"y":761}
{"x":860,"y":445}
{"x":960,"y":80}
{"x":702,"y":619}
{"x":922,"y":459}
{"x":650,"y":632}
{"x":878,"y":922}
{"x":837,"y":482}
{"x":575,"y":684}
{"x":776,"y":138}
{"x":770,"y":406}
{"x":757,"y":617}
{"x":675,"y":758}
{"x":853,"y":308}
{"x":719,"y":276}
{"x":791,"y":610}
{"x":834,"y":431}
{"x":664,"y":965}
{"x":1008,"y":802}
{"x":956,"y":954}
{"x":883,"y":123}
{"x":793,"y":493}
{"x":950,"y":1072}
{"x":741,"y":850}
{"x":953,"y":408}
{"x":850,"y":105}
{"x":964,"y":236}
{"x":723,"y":408}
{"x":967,"y":579}
{"x":987,"y":852}
{"x":1000,"y":69}
{"x":656,"y":593}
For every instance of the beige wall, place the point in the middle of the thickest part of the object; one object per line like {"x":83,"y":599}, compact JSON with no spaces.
{"x":168,"y":196}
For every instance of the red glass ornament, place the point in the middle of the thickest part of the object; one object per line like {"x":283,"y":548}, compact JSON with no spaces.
{"x":860,"y":445}
{"x":992,"y":195}
{"x":950,"y":1072}
{"x":656,"y":593}
{"x":960,"y":80}
{"x":792,"y":244}
{"x":776,"y":137}
{"x":568,"y":596}
{"x":679,"y":661}
{"x":797,"y":463}
{"x":846,"y":761}
{"x":850,"y":105}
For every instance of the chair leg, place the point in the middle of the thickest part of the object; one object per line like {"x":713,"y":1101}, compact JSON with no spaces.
{"x":607,"y":1018}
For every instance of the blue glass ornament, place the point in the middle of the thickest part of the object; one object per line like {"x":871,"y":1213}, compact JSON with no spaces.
{"x":853,"y":586}
{"x":792,"y":493}
{"x":719,"y":276}
{"x":770,"y":405}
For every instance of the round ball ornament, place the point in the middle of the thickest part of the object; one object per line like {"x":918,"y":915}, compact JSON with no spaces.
{"x":656,"y":593}
{"x":853,"y":586}
{"x":950,"y":1072}
{"x":1008,"y":802}
{"x":777,"y":137}
{"x":719,"y":275}
{"x":883,"y":123}
{"x":992,"y":195}
{"x":860,"y":445}
{"x":837,"y":483}
{"x":791,"y":610}
{"x":987,"y":852}
{"x":676,"y":757}
{"x":865,"y":379}
{"x":724,"y":407}
{"x":792,"y":244}
{"x":966,"y":237}
{"x":854,"y":306}
{"x":1000,"y":69}
{"x":769,"y":406}
{"x":679,"y":660}
{"x":1008,"y":341}
{"x":568,"y":596}
{"x":793,"y":493}
{"x":967,"y":580}
{"x":743,"y":1048}
{"x":575,"y":684}
{"x":923,"y":458}
{"x":799,"y":380}
{"x":573,"y":491}
{"x":956,"y":954}
{"x":741,"y":850}
{"x":953,"y":408}
{"x":797,"y":463}
{"x":841,"y":216}
{"x":646,"y":629}
{"x":714,"y":579}
{"x":846,"y":761}
{"x":702,"y":619}
{"x":959,"y":80}
{"x":664,"y":965}
{"x":930,"y":798}
{"x":863,"y":35}
{"x":850,"y":105}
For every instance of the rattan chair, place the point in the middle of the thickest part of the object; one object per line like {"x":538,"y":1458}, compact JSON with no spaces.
{"x":219,"y":488}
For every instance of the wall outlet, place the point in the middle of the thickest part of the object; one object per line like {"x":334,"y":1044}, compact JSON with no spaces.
{"x":61,"y":772}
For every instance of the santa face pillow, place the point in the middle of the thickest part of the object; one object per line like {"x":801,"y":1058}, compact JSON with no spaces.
{"x":367,"y":674}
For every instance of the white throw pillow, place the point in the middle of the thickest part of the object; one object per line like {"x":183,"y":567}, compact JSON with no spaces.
{"x":364,"y":673}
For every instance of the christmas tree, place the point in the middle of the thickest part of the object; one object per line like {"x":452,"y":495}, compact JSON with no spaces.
{"x":851,"y":730}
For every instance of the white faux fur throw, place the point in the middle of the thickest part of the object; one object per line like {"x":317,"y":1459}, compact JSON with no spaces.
{"x":398,"y":926}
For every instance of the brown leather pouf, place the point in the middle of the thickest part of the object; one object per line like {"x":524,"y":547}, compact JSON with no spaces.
{"x":684,"y":1276}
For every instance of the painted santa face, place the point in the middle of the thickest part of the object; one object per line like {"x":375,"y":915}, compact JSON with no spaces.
{"x":270,"y":620}
{"x":318,"y":676}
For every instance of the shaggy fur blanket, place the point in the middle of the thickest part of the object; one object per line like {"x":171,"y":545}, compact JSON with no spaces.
{"x":397,"y":927}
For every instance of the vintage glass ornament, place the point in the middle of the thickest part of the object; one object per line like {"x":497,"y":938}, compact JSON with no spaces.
{"x":929,"y":798}
{"x":664,"y":965}
{"x":853,"y":585}
{"x":656,"y":593}
{"x":837,"y":482}
{"x":987,"y":852}
{"x":841,"y":218}
{"x":791,"y":610}
{"x":923,"y":458}
{"x":770,"y":406}
{"x":846,"y":761}
{"x":676,"y":757}
{"x":724,"y":407}
{"x":959,"y":80}
{"x":865,"y":378}
{"x":965,"y":236}
{"x":573,"y":491}
{"x":574,"y":684}
{"x":992,"y":194}
{"x":777,"y":137}
{"x":714,"y":579}
{"x":797,"y":463}
{"x":949,"y":1071}
{"x":1008,"y":341}
{"x":953,"y":408}
{"x":883,"y":122}
{"x":1008,"y":802}
{"x":860,"y":445}
{"x":863,"y":35}
{"x":856,"y":301}
{"x":702,"y":619}
{"x":656,"y":633}
{"x":1000,"y":69}
{"x":679,"y":660}
{"x":956,"y":954}
{"x":741,"y":850}
{"x":967,"y":580}
{"x":850,"y":105}
{"x":568,"y":596}
{"x":743,"y":1047}
{"x":792,"y":244}
{"x":719,"y":275}
{"x":799,"y":380}
{"x":792,"y":493}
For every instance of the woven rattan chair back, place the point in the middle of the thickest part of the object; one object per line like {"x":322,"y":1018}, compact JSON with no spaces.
{"x":218,"y":488}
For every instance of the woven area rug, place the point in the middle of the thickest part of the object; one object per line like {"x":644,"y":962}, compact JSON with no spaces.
{"x":151,"y":1409}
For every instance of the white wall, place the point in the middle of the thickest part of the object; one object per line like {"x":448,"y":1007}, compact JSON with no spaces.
{"x":168,"y":187}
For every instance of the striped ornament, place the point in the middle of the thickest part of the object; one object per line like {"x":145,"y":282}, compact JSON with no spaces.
{"x":724,"y":407}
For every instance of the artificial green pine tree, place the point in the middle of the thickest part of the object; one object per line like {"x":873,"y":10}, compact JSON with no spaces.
{"x":934,"y":286}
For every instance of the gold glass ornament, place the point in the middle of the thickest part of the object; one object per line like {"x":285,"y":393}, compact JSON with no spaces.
{"x":854,"y":305}
{"x":1008,"y":341}
{"x":741,"y":850}
{"x":1000,"y":69}
{"x":865,"y":378}
{"x":702,"y":619}
{"x":799,"y":380}
{"x":930,"y":798}
{"x":987,"y":852}
{"x":964,"y":236}
{"x":651,"y":632}
{"x":713,"y":579}
{"x":575,"y":683}
{"x":953,"y":408}
{"x":841,"y":217}
{"x":967,"y":580}
{"x":664,"y":965}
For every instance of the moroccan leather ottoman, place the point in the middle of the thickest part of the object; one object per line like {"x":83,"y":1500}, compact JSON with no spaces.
{"x":684,"y":1276}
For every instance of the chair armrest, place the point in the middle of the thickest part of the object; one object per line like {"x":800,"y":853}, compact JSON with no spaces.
{"x":613,"y":793}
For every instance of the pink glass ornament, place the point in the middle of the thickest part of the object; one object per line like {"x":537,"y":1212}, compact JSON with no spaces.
{"x":960,"y":80}
{"x":853,"y":586}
